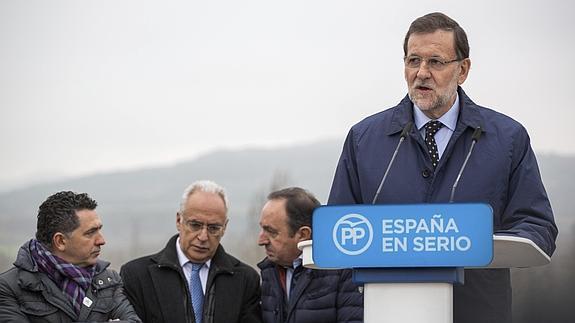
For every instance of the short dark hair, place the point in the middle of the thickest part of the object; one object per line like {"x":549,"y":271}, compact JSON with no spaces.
{"x":300,"y":205}
{"x":435,"y":21}
{"x":58,"y":214}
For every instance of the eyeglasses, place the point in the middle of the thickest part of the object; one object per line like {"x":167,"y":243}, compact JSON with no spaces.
{"x":432,"y":63}
{"x":212,"y":228}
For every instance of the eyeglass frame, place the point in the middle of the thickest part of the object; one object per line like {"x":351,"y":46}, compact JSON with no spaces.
{"x":210,"y":227}
{"x":432,"y":63}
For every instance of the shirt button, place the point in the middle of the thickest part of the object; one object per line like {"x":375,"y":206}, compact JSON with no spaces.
{"x":426,"y":173}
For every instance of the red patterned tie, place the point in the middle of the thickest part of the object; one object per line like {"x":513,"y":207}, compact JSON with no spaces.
{"x":282,"y":274}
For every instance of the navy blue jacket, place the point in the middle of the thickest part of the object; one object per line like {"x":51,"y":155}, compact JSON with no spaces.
{"x":502,"y":172}
{"x":318,"y":296}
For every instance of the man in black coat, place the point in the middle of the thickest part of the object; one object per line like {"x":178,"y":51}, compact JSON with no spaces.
{"x":193,"y":279}
{"x":291,"y":293}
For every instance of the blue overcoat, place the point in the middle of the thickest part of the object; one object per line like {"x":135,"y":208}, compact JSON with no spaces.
{"x":502,"y":172}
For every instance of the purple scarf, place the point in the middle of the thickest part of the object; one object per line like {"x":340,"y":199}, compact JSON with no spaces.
{"x":73,"y":280}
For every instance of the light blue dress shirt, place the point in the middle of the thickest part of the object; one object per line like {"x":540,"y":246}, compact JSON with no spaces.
{"x":449,"y":120}
{"x":289,"y":274}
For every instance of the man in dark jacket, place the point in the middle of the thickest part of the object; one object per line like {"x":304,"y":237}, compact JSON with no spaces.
{"x":290,"y":292}
{"x":193,"y":279}
{"x":502,"y":170}
{"x":57,"y":277}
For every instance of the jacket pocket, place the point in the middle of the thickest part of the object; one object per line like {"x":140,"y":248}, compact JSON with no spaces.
{"x":39,"y":309}
{"x":104,"y":305}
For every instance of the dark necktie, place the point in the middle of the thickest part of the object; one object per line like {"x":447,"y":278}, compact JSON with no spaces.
{"x":430,"y":129}
{"x":197,"y":292}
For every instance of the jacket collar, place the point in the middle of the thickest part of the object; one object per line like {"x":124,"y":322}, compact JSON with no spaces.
{"x":167,"y":256}
{"x":266,"y":263}
{"x":468,"y":114}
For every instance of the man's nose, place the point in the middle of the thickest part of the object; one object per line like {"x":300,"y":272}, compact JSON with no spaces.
{"x":100,"y":241}
{"x":423,"y":70}
{"x":262,"y":238}
{"x":203,"y":234}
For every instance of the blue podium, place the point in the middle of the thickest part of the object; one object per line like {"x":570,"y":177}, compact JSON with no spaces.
{"x":409,"y":256}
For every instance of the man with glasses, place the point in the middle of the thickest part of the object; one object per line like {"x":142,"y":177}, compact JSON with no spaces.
{"x":501,"y":171}
{"x":193,"y":279}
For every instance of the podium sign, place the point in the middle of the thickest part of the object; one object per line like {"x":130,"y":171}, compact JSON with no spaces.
{"x":414,"y":235}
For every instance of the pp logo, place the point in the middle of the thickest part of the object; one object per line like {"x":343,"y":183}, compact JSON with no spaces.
{"x":352,"y":234}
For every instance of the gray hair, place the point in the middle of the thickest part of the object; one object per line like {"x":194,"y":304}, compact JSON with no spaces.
{"x":203,"y":186}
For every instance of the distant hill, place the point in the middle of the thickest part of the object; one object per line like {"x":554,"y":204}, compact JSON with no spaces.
{"x":138,"y":209}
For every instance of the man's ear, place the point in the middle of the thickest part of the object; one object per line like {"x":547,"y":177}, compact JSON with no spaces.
{"x":224,"y":228}
{"x":304,"y":233}
{"x":59,"y":242}
{"x":464,"y":71}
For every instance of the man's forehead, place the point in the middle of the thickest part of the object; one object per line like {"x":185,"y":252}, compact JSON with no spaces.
{"x":86,"y":215}
{"x":439,"y":38}
{"x":88,"y":219}
{"x":204,"y":213}
{"x":201,"y":199}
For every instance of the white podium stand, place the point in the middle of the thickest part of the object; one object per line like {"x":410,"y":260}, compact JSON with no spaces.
{"x":394,"y":300}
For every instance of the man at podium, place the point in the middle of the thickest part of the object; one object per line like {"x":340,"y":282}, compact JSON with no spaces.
{"x":449,"y":149}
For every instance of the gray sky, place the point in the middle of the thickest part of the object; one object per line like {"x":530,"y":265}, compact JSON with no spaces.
{"x":91,"y":86}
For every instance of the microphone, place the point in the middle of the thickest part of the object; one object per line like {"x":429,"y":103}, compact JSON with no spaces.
{"x":404,"y":134}
{"x":474,"y":139}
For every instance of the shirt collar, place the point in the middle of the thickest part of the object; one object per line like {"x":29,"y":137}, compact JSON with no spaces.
{"x":297,"y":262}
{"x":183,"y":259}
{"x":449,"y":119}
